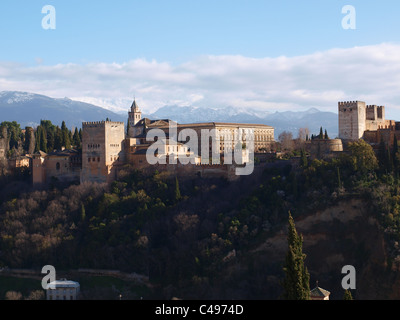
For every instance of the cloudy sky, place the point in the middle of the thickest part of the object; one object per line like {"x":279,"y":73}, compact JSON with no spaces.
{"x":259,"y":54}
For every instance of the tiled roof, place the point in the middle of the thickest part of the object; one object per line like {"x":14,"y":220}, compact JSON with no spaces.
{"x":319,"y":292}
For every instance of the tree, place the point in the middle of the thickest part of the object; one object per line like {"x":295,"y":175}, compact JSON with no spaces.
{"x":66,"y":142}
{"x":29,"y":144}
{"x":13,"y":295}
{"x":41,"y":140}
{"x":83,"y":213}
{"x":76,"y":139}
{"x":326,"y":137}
{"x":303,"y":134}
{"x":128,"y":126}
{"x":303,"y":159}
{"x":177,"y":190}
{"x":286,"y":140}
{"x":347,"y":295}
{"x":362,"y":156}
{"x":58,"y":143}
{"x":321,"y":134}
{"x":338,"y":177}
{"x":297,"y":279}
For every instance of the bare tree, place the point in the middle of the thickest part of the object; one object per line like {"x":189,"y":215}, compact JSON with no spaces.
{"x":303,"y":134}
{"x":286,"y":141}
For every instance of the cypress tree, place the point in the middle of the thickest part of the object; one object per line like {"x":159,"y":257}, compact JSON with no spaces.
{"x":303,"y":159}
{"x":29,"y":145}
{"x":326,"y":137}
{"x":338,"y":177}
{"x":297,"y":279}
{"x":83,"y":213}
{"x":177,"y":190}
{"x":127,"y":127}
{"x":76,"y":139}
{"x":347,"y":295}
{"x":321,"y":134}
{"x":58,"y":139}
{"x":66,"y":142}
{"x":37,"y":139}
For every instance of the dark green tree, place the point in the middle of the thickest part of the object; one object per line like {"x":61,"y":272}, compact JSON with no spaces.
{"x":297,"y":279}
{"x":127,"y":127}
{"x":177,"y":190}
{"x":303,"y":159}
{"x":338,"y":177}
{"x":83,"y":213}
{"x":76,"y":139}
{"x":321,"y":134}
{"x":326,"y":137}
{"x":66,"y":141}
{"x":58,"y":142}
{"x":347,"y":295}
{"x":29,"y":143}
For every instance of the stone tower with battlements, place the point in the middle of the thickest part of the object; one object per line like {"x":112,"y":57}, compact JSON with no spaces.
{"x":102,"y":150}
{"x":352,"y":119}
{"x":356,"y":119}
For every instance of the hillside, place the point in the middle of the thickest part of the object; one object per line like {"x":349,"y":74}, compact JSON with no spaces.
{"x":215,"y":239}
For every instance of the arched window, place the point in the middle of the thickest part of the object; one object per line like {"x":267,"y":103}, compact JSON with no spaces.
{"x":58,"y":166}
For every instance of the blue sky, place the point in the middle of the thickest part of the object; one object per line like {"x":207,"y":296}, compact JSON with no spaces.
{"x":179,"y":30}
{"x":167,"y":51}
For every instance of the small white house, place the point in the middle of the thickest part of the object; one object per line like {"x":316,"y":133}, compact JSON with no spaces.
{"x":62,"y":289}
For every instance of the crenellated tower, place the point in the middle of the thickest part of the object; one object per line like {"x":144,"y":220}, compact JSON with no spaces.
{"x":352,"y":119}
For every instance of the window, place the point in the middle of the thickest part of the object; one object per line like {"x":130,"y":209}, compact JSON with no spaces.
{"x":58,"y":166}
{"x":88,"y":159}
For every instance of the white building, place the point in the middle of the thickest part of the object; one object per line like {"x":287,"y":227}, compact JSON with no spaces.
{"x":62,"y":290}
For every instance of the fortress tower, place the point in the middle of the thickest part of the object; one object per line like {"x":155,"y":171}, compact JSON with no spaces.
{"x":102,"y":150}
{"x":352,"y":119}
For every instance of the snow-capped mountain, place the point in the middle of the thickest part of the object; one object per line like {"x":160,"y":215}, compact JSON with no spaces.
{"x":290,"y":121}
{"x":29,"y":108}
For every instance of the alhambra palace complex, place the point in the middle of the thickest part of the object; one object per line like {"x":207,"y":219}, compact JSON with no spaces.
{"x":108,"y":146}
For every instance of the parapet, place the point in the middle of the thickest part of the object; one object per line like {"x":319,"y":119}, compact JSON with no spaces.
{"x":346,"y":103}
{"x":100,"y":123}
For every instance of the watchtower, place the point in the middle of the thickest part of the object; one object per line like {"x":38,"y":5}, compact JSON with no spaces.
{"x":352,"y":119}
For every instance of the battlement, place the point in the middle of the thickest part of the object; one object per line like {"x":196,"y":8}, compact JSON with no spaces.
{"x":347,"y":103}
{"x":95,"y":124}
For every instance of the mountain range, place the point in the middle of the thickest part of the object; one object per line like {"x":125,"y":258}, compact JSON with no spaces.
{"x":29,"y":108}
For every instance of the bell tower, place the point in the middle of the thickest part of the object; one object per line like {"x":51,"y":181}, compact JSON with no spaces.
{"x":135,"y":115}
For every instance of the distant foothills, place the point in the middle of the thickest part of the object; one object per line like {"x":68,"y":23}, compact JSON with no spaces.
{"x":28,"y":109}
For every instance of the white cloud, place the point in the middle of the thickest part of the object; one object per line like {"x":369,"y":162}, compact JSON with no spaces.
{"x":369,"y":73}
